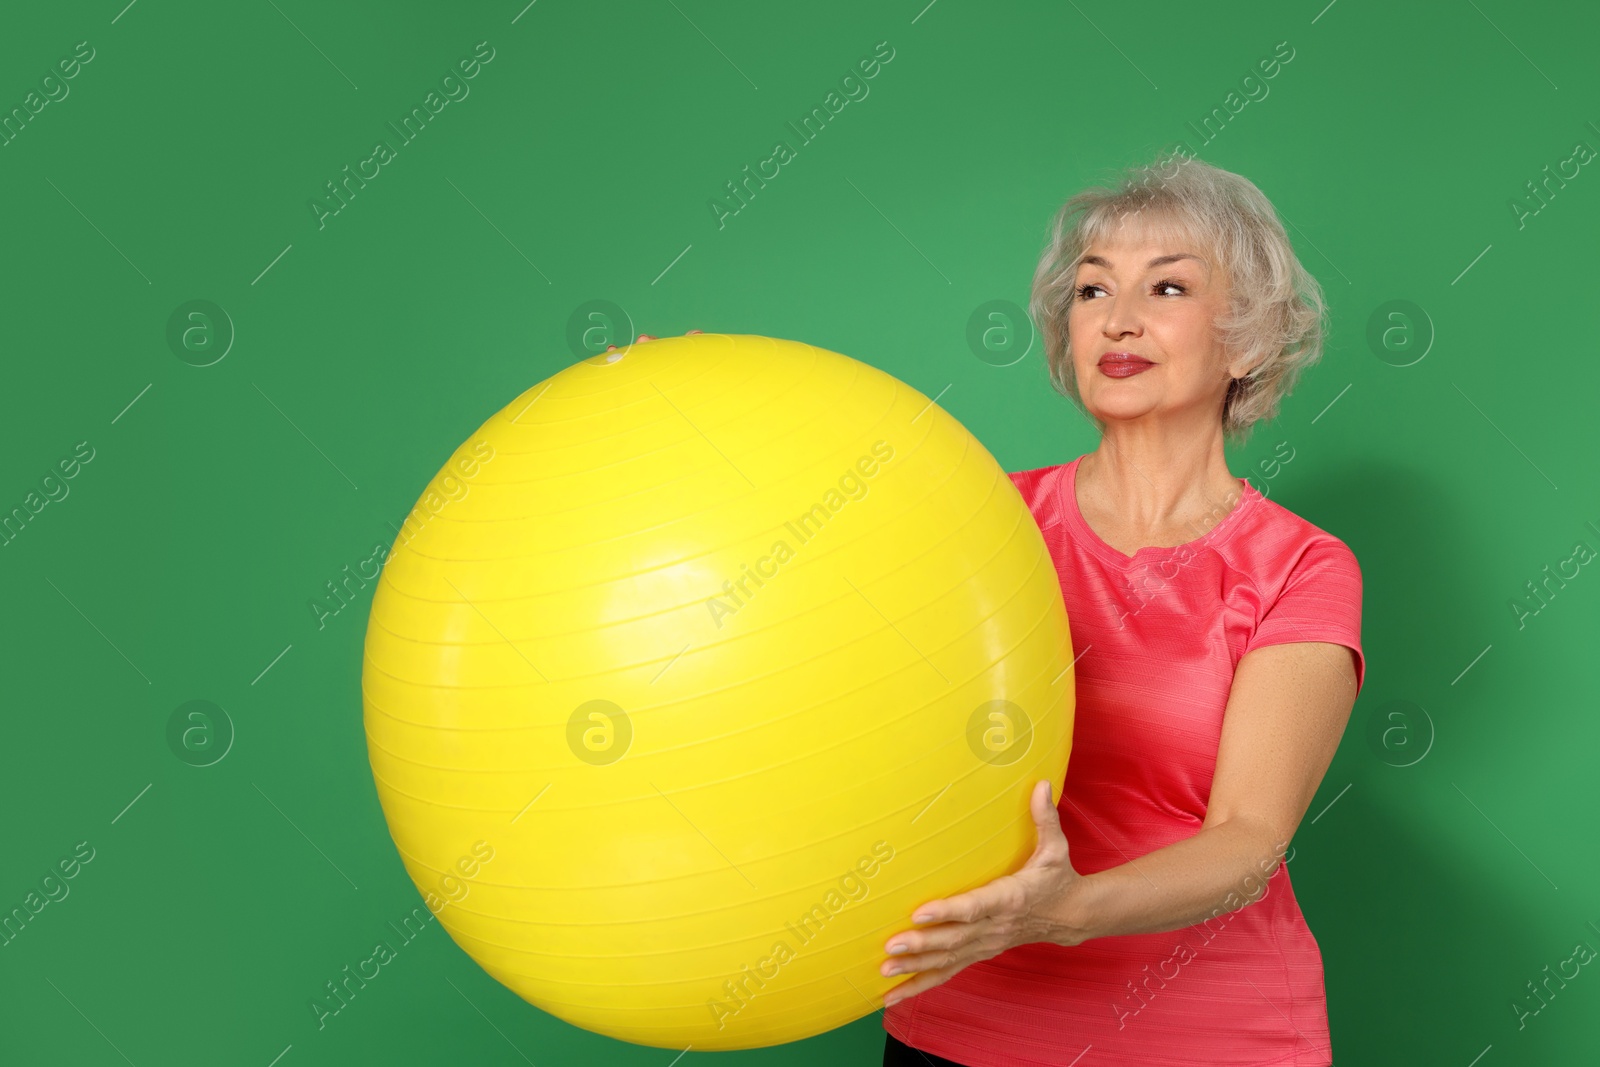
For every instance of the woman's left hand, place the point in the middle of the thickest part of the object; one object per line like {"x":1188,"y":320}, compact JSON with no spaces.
{"x":1015,"y":909}
{"x":643,"y":337}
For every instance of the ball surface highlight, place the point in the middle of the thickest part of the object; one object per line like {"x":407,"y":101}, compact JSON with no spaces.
{"x":695,"y":670}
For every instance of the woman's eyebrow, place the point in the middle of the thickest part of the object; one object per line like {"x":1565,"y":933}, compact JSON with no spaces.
{"x":1101,"y":261}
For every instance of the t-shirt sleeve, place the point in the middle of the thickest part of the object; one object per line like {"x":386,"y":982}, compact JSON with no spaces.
{"x":1321,"y":601}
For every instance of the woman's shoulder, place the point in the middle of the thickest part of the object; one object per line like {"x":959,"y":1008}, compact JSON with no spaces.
{"x":1307,"y":582}
{"x":1031,"y":481}
{"x":1275,"y":542}
{"x":1042,"y":493}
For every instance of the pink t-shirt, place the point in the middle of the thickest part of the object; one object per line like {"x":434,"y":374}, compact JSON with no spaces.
{"x":1158,"y":636}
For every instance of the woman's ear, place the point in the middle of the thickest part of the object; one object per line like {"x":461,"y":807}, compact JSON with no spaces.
{"x":1240,"y":367}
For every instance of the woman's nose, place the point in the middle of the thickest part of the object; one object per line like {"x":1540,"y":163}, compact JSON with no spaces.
{"x":1121,"y":319}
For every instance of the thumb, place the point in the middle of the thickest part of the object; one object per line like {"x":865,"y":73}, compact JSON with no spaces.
{"x":1045,"y":816}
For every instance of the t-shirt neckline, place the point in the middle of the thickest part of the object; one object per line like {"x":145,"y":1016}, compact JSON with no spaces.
{"x":1067,"y":486}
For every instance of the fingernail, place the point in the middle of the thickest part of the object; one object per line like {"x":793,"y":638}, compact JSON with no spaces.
{"x":921,"y":917}
{"x":895,"y":950}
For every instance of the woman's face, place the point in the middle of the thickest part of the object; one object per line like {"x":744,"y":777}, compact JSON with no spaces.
{"x":1154,"y":302}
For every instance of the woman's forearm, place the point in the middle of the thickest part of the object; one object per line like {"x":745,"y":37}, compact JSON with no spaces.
{"x":1220,"y":868}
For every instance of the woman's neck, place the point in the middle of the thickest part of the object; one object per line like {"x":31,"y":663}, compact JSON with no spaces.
{"x":1155,"y":495}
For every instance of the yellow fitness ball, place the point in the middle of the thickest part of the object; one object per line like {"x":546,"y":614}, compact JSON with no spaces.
{"x":695,"y":670}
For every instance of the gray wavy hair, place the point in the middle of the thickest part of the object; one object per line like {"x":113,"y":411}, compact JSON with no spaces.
{"x":1276,"y":316}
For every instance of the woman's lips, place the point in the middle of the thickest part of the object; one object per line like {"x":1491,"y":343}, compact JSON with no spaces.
{"x":1112,"y":367}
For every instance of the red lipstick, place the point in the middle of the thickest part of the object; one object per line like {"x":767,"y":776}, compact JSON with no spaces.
{"x":1123,"y":364}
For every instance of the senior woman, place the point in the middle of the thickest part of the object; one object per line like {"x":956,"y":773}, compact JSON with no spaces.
{"x":1217,"y":637}
{"x":1217,"y":655}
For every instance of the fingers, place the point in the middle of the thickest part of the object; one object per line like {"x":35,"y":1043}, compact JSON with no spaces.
{"x":1051,"y":844}
{"x":930,"y":950}
{"x":964,"y":907}
{"x":1039,"y":806}
{"x":643,"y":337}
{"x":954,"y":920}
{"x":913,"y":986}
{"x":922,"y":963}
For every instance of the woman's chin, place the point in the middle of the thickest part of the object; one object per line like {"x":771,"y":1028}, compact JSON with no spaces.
{"x":1114,"y":411}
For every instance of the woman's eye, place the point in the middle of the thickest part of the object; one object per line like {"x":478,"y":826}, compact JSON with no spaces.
{"x":1088,"y":290}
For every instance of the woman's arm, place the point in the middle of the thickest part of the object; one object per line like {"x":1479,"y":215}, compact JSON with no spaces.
{"x":1286,"y":711}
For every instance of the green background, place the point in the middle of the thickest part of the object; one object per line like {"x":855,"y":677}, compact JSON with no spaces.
{"x":1452,"y":854}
